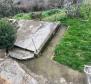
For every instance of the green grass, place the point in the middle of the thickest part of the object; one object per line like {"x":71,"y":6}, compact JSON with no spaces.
{"x":55,"y":16}
{"x":26,"y":16}
{"x":74,"y":50}
{"x":49,"y":15}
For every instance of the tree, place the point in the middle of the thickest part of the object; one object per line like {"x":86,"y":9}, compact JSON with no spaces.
{"x":7,"y":35}
{"x":73,"y":9}
{"x":7,"y":8}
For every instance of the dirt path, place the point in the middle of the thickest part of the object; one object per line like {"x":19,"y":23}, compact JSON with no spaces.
{"x":53,"y":71}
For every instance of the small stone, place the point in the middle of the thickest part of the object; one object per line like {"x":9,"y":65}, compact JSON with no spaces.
{"x":2,"y":53}
{"x":63,"y":81}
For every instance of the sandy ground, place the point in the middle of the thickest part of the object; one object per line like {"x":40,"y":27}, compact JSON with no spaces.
{"x":54,"y":72}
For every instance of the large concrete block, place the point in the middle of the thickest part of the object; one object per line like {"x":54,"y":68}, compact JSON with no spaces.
{"x":31,"y":37}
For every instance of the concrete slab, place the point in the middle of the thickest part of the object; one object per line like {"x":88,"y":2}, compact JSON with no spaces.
{"x":32,"y":35}
{"x":21,"y":54}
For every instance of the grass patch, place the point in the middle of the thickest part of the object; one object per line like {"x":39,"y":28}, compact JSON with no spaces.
{"x":26,"y":16}
{"x":74,"y":50}
{"x":49,"y":15}
{"x":55,"y":17}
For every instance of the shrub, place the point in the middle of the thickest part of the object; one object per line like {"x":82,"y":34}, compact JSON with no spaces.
{"x":7,"y":8}
{"x":85,"y":11}
{"x":73,"y":11}
{"x":37,"y":15}
{"x":82,"y":11}
{"x":7,"y":35}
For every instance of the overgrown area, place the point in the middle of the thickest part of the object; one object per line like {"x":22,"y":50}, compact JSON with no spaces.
{"x":74,"y":50}
{"x":12,"y":7}
{"x":7,"y":35}
{"x":49,"y":15}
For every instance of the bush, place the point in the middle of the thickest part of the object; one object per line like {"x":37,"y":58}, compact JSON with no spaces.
{"x":7,"y":35}
{"x":85,"y":11}
{"x":82,"y":11}
{"x":73,"y":11}
{"x":37,"y":15}
{"x":7,"y":8}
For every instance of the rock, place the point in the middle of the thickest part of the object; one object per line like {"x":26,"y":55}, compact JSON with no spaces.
{"x":21,"y":54}
{"x":63,"y":81}
{"x":12,"y":73}
{"x":2,"y":53}
{"x":3,"y":81}
{"x":32,"y":35}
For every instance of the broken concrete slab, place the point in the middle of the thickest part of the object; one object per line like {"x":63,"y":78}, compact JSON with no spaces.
{"x":12,"y":73}
{"x":21,"y":54}
{"x":32,"y":35}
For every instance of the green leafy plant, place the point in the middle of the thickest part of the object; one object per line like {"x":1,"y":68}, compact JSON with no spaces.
{"x":7,"y":35}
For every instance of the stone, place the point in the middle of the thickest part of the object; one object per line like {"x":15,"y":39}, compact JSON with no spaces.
{"x":87,"y":70}
{"x":63,"y":81}
{"x":31,"y":38}
{"x":12,"y":73}
{"x":2,"y":53}
{"x":32,"y":35}
{"x":21,"y":54}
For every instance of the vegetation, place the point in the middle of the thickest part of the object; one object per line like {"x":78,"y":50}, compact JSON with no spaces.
{"x":49,"y":15}
{"x":23,"y":16}
{"x":57,"y":16}
{"x":74,"y":49}
{"x":85,"y":11}
{"x":7,"y":35}
{"x":7,"y":8}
